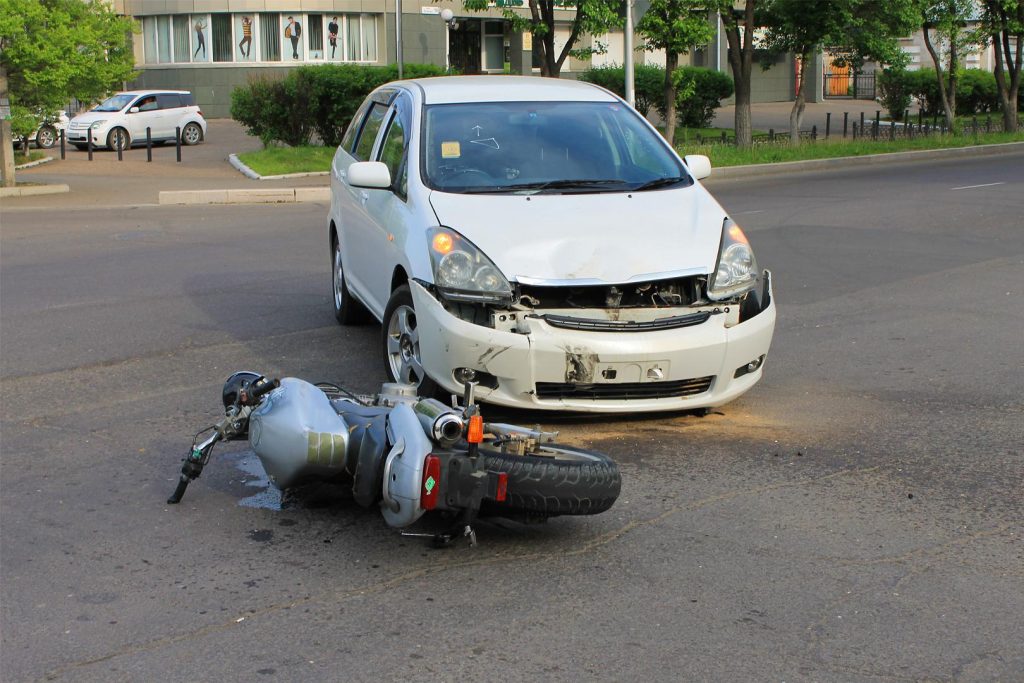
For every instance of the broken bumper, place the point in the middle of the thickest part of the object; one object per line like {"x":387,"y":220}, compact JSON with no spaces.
{"x":550,"y":368}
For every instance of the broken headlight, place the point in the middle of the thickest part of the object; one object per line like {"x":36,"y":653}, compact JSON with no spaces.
{"x":736,"y":271}
{"x":462,"y":272}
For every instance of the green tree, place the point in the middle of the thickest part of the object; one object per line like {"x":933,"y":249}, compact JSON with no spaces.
{"x":593,"y":17}
{"x":1003,"y":23}
{"x":947,"y":19}
{"x":735,"y":23}
{"x":674,"y":26}
{"x":53,"y":50}
{"x":854,"y":30}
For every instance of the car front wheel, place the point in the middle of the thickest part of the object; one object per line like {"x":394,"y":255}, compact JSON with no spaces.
{"x":118,"y":138}
{"x":46,"y":137}
{"x":402,"y":359}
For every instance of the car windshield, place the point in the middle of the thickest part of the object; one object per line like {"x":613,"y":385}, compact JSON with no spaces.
{"x":115,"y":103}
{"x":528,"y":147}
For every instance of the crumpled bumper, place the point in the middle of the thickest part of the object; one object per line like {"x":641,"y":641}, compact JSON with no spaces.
{"x":549,"y":368}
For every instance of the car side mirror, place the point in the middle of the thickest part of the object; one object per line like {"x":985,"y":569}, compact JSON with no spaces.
{"x":699,"y":165}
{"x":370,"y":174}
{"x":133,"y":110}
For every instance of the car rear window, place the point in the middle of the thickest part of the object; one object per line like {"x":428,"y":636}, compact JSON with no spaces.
{"x":169,"y":100}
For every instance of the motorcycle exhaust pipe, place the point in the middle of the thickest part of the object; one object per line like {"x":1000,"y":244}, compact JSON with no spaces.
{"x":442,"y":424}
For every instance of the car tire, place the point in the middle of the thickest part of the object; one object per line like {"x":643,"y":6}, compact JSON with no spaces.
{"x":554,"y":480}
{"x":112,"y":139}
{"x":191,"y":134}
{"x":400,"y":340}
{"x":46,"y":137}
{"x":347,"y":309}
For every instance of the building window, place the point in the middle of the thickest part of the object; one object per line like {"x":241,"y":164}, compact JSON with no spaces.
{"x":270,"y":41}
{"x":182,"y":32}
{"x":201,"y":34}
{"x":315,"y":31}
{"x":245,"y":33}
{"x":149,"y":42}
{"x":361,"y":38}
{"x":163,"y":32}
{"x":222,"y":43}
{"x":494,"y":46}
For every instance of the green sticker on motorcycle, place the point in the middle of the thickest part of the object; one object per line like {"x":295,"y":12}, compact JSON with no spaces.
{"x":429,"y":484}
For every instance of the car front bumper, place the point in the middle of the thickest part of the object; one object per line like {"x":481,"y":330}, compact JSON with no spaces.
{"x":549,"y":368}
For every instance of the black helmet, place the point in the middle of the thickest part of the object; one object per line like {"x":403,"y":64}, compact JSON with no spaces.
{"x":234,"y":385}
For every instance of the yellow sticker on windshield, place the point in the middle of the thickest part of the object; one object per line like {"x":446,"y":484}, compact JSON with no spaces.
{"x":450,"y":150}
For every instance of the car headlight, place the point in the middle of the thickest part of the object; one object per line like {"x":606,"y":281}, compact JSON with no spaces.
{"x":462,"y":272}
{"x":97,"y":124}
{"x":736,"y":271}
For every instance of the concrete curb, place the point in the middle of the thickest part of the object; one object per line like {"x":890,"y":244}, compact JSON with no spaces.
{"x":249,"y":173}
{"x":33,"y":190}
{"x":836,"y":163}
{"x":282,"y":195}
{"x":37,"y":162}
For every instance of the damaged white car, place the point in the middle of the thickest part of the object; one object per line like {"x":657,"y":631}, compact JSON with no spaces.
{"x":540,"y":238}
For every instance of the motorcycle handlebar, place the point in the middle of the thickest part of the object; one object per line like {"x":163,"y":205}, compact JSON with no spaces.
{"x":262,"y":387}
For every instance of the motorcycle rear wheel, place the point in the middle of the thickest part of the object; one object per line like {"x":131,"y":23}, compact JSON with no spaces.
{"x":557,"y":480}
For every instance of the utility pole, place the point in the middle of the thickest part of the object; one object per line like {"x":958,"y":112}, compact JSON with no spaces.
{"x":6,"y":138}
{"x":627,"y":58}
{"x":398,"y":35}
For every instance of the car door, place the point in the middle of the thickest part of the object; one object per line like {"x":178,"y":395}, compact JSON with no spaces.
{"x":169,"y":115}
{"x":353,"y":217}
{"x":137,"y":121}
{"x":389,"y":212}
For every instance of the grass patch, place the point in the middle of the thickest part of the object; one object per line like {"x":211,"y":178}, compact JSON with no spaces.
{"x":283,"y":160}
{"x":728,"y":155}
{"x":20,"y":158}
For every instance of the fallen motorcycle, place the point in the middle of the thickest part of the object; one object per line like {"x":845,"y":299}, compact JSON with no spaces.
{"x":406,"y":454}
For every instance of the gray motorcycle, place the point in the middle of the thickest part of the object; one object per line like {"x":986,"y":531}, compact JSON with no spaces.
{"x":406,"y":454}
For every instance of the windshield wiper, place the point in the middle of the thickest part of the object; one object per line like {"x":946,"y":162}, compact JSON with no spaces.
{"x":581,"y":184}
{"x":660,"y":182}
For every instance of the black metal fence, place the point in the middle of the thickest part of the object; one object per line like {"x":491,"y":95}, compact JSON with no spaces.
{"x":864,"y":128}
{"x":858,"y":86}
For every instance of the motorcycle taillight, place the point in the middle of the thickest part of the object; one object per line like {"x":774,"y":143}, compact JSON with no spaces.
{"x":431,"y":482}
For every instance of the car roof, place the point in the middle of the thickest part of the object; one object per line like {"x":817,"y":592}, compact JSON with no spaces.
{"x":453,"y":89}
{"x":153,"y":92}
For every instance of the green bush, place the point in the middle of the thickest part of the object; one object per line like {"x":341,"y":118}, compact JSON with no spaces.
{"x":648,"y":83}
{"x":894,"y":85}
{"x":710,"y":87}
{"x":976,"y":92}
{"x":319,"y":99}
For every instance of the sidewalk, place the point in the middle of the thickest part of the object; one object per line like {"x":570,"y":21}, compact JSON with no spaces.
{"x":105,"y":181}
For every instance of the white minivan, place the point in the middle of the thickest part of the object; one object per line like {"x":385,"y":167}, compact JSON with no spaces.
{"x":538,"y":237}
{"x":123,"y":119}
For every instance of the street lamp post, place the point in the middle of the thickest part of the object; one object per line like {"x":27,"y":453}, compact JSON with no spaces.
{"x":448,"y":17}
{"x":398,"y":35}
{"x":627,"y":58}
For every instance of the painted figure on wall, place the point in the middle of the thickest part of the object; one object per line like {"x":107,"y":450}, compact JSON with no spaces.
{"x":293,"y":31}
{"x":332,"y":35}
{"x":200,"y":38}
{"x":245,"y":47}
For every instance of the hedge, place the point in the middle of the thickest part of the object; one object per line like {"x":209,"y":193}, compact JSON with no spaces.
{"x":696,"y":111}
{"x":976,"y":92}
{"x":319,"y":99}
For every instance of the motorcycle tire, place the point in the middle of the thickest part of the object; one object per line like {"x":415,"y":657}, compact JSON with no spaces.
{"x":557,"y":480}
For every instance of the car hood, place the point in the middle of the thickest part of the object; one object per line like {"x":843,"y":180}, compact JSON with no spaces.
{"x":90,"y":116}
{"x":599,"y":237}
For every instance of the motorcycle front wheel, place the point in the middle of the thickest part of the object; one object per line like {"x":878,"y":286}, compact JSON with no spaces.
{"x":555,"y":480}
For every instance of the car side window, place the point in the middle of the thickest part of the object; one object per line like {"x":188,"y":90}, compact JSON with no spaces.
{"x":147,"y":103}
{"x":364,"y":145}
{"x":348,"y":142}
{"x":393,"y":154}
{"x":168,"y":101}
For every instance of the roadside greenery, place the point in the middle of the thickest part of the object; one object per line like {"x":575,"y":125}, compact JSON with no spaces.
{"x":976,"y":92}
{"x":20,"y":158}
{"x":283,"y":160}
{"x":312,"y":100}
{"x":729,"y":155}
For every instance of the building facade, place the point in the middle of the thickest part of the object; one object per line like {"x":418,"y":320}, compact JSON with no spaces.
{"x":210,"y":47}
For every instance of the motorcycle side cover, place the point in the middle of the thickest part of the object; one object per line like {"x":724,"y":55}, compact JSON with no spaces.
{"x":403,"y":468}
{"x":297,"y":434}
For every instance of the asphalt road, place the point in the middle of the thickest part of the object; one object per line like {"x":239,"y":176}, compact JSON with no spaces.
{"x":856,"y":517}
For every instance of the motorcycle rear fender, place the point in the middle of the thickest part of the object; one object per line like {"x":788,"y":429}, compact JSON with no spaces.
{"x":403,"y":467}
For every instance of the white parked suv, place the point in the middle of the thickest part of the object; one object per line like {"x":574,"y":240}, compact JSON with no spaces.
{"x":123,"y":119}
{"x":539,"y":237}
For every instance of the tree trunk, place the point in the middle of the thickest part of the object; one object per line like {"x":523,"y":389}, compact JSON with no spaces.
{"x":796,"y":115}
{"x":1008,"y":63}
{"x":671,"y":62}
{"x":947,"y":106}
{"x":6,"y":139}
{"x":741,"y":61}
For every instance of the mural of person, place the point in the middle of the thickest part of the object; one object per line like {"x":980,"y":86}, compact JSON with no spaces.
{"x":332,"y":35}
{"x":293,"y":31}
{"x":245,"y":46}
{"x":200,"y":38}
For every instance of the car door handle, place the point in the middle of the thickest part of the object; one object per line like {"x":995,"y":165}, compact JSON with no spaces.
{"x":363,"y":196}
{"x":339,"y":174}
